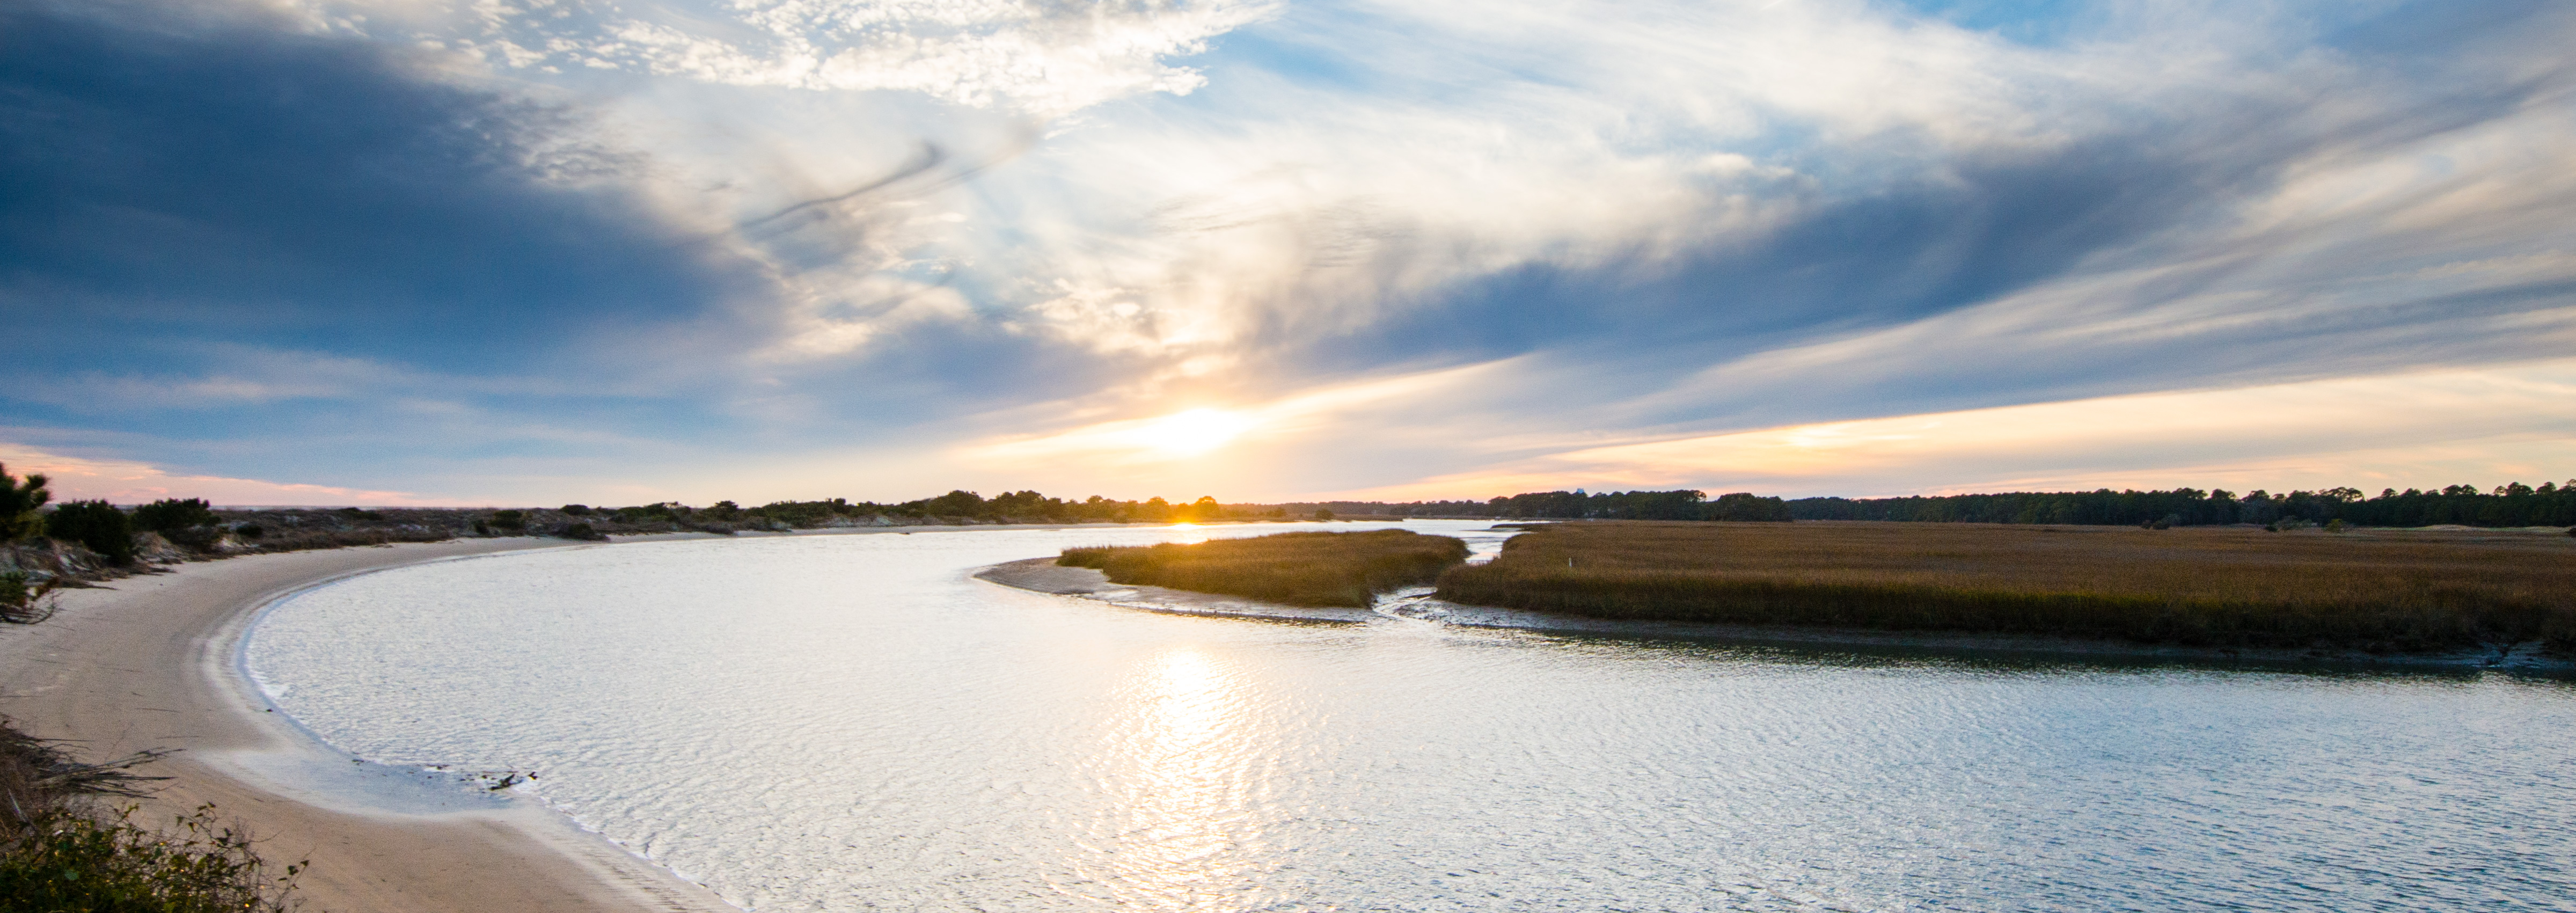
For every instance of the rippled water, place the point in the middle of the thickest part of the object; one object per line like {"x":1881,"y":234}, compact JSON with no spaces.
{"x":850,"y":722}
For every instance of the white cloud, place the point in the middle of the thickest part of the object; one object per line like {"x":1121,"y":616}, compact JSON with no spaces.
{"x":1042,"y":58}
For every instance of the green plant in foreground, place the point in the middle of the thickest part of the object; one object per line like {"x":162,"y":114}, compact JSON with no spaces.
{"x":63,"y":861}
{"x":23,"y":601}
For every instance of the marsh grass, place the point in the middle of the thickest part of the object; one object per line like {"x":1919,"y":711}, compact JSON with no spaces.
{"x":2390,"y":591}
{"x":1308,"y":569}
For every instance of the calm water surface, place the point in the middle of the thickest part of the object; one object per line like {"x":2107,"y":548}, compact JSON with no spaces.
{"x":850,"y":723}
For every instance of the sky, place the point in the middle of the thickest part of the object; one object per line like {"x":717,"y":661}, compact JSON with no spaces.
{"x":620,"y":251}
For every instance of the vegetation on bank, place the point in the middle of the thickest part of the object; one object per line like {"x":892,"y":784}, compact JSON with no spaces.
{"x":2379,"y":591}
{"x":2509,"y":505}
{"x":63,"y":849}
{"x":1308,"y":569}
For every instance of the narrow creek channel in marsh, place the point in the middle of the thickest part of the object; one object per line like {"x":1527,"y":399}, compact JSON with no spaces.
{"x":851,"y":722}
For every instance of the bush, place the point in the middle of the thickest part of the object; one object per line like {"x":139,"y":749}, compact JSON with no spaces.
{"x":95,"y":524}
{"x":20,"y":505}
{"x":64,"y":861}
{"x":583,"y":532}
{"x":510,"y":519}
{"x":576,"y":510}
{"x":172,"y":514}
{"x":360,"y":513}
{"x":58,"y":854}
{"x":22,"y":601}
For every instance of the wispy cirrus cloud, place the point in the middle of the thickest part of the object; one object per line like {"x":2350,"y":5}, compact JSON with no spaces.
{"x":1636,"y":223}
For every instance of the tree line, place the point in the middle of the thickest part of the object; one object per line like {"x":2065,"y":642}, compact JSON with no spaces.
{"x":2514,"y":504}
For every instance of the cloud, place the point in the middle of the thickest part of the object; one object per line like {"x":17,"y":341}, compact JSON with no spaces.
{"x":127,"y":482}
{"x":2423,"y":429}
{"x":1043,"y":58}
{"x":201,"y":176}
{"x":545,"y":250}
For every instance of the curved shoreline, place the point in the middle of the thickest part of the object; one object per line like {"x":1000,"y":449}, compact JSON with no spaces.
{"x":151,"y":661}
{"x":1040,"y":575}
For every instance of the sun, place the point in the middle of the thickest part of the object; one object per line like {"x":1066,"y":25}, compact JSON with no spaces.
{"x":1192,"y":432}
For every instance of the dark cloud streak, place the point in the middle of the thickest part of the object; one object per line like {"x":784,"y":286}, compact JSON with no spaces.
{"x":216,"y":177}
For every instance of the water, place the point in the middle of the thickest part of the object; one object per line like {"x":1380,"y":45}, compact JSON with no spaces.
{"x":851,"y":723}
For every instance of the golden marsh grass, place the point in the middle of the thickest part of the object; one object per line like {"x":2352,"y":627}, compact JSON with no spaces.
{"x":2392,"y":590}
{"x":1309,"y":569}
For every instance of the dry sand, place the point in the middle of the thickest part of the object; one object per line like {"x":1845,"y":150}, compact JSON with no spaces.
{"x":148,"y":662}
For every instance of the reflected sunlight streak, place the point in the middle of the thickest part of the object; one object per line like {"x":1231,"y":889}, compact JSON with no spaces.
{"x":1178,"y":769}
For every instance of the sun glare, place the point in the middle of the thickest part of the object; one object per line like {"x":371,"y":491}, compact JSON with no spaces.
{"x":1193,"y":432}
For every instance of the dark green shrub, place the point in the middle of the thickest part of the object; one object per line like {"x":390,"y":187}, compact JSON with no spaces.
{"x":510,"y":519}
{"x":583,"y":532}
{"x":20,"y":503}
{"x":96,"y":524}
{"x":577,"y":510}
{"x":360,"y":513}
{"x":171,"y":514}
{"x":249,"y":531}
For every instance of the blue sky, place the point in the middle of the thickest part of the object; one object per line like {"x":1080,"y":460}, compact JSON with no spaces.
{"x":534,"y":251}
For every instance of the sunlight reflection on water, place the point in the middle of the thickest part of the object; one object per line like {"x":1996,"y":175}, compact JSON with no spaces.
{"x":1178,"y":763}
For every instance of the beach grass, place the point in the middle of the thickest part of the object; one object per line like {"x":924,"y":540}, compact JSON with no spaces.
{"x":1307,"y":569}
{"x":61,"y":849}
{"x":2376,"y":590}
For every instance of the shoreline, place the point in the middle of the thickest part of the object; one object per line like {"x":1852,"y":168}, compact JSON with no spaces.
{"x":151,"y":661}
{"x":1041,"y":575}
{"x":155,"y":659}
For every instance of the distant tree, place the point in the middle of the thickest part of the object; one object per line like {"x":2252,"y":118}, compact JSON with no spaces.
{"x":173,"y":514}
{"x":96,"y":524}
{"x":21,"y":505}
{"x":959,"y":503}
{"x":576,"y":510}
{"x":1324,"y":514}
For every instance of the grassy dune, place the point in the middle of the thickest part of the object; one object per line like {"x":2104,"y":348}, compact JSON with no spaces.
{"x":1309,"y":569}
{"x":2374,"y":590}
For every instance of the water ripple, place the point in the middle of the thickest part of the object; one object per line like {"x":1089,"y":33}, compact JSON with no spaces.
{"x":851,"y":723}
